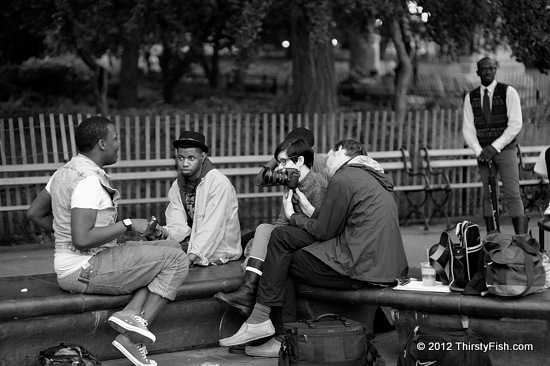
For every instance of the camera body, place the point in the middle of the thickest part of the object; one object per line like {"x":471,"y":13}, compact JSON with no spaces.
{"x":288,"y":177}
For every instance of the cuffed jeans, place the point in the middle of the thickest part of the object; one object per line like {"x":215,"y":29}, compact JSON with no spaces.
{"x":161,"y":266}
{"x":506,"y":164}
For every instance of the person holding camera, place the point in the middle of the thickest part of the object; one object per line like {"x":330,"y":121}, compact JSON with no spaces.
{"x":263,"y":178}
{"x":295,"y":159}
{"x":351,"y":241}
{"x":80,"y":207}
{"x":203,"y":209}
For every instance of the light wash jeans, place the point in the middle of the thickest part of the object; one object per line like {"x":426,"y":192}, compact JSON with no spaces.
{"x":161,"y":266}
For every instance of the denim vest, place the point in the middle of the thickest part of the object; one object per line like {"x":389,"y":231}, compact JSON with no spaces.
{"x":62,"y":186}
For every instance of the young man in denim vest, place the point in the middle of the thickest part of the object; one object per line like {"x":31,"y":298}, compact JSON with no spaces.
{"x":80,"y":206}
{"x":492,"y":120}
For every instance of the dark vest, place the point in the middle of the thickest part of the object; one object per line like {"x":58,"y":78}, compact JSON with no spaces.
{"x":489,"y":131}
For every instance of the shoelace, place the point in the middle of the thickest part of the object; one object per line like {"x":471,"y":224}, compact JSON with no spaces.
{"x":140,"y":320}
{"x":142,"y":351}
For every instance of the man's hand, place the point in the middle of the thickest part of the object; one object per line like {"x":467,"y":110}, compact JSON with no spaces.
{"x":192,"y":259}
{"x":155,"y":231}
{"x":487,"y":153}
{"x":140,"y":226}
{"x":287,"y":204}
{"x":305,"y":205}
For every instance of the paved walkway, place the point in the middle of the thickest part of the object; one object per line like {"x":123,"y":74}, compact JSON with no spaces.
{"x":36,"y":259}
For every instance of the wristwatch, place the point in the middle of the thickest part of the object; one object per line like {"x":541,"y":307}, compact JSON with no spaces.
{"x":128,"y":224}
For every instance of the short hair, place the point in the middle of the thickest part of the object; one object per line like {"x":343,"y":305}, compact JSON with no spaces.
{"x":90,"y":131}
{"x":485,"y":59}
{"x":352,"y":147}
{"x":301,"y":133}
{"x":294,"y":149}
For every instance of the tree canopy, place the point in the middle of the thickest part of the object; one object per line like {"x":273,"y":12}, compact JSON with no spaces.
{"x":187,"y":29}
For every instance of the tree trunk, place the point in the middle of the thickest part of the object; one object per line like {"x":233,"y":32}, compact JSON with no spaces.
{"x":314,"y":85}
{"x":101,"y":78}
{"x":173,"y":67}
{"x":403,"y":73}
{"x":101,"y":89}
{"x":364,"y":51}
{"x":129,"y":72}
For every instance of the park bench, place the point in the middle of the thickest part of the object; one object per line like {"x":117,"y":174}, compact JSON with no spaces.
{"x":26,"y":177}
{"x":440,"y":162}
{"x":534,"y":187}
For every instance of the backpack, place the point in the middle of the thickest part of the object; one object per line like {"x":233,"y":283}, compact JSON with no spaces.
{"x":427,"y":345}
{"x":458,"y":256}
{"x":513,"y":265}
{"x":329,"y":340}
{"x":67,"y":355}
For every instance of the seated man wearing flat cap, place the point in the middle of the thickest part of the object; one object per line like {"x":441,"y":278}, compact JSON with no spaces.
{"x":203,"y":208}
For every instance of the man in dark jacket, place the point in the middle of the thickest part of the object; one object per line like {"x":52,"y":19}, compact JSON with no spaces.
{"x":352,"y":241}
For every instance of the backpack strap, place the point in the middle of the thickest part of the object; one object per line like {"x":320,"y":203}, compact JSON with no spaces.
{"x":440,"y":255}
{"x":528,"y":261}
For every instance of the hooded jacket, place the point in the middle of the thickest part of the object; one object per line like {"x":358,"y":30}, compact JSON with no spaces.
{"x":357,"y":227}
{"x":214,"y":234}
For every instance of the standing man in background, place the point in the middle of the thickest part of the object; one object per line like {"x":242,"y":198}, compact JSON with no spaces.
{"x":492,"y":121}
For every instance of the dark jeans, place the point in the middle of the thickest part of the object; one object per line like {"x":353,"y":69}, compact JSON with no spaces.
{"x":286,"y":263}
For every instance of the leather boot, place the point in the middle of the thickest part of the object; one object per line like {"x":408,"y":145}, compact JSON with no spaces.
{"x":521,"y":224}
{"x":245,"y":297}
{"x":490,"y":225}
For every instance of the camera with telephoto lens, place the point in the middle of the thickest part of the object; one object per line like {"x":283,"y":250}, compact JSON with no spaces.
{"x":288,"y":177}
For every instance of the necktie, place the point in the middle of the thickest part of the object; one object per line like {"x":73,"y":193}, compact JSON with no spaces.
{"x":486,"y":107}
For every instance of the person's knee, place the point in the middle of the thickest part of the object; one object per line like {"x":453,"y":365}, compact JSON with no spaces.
{"x":264,"y":229}
{"x":278,"y":234}
{"x":181,"y":262}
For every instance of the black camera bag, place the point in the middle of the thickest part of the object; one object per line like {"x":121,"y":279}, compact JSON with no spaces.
{"x":328,"y":340}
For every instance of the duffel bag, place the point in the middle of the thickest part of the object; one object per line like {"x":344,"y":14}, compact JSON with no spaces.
{"x":429,"y":345}
{"x":328,"y":340}
{"x":513,"y":265}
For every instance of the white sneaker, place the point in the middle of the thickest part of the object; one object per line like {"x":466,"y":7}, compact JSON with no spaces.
{"x":269,"y":349}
